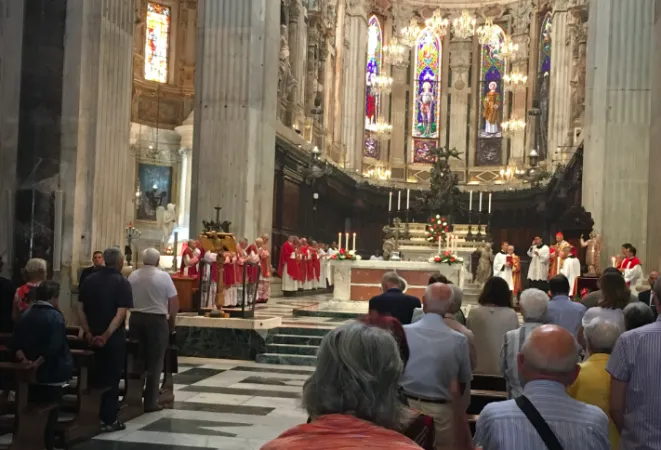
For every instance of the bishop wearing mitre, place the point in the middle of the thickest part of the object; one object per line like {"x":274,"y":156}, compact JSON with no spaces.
{"x":571,"y":268}
{"x":288,"y":266}
{"x":557,"y":258}
{"x":502,"y":265}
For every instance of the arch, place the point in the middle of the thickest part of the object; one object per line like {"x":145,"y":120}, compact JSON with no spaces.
{"x":372,"y":100}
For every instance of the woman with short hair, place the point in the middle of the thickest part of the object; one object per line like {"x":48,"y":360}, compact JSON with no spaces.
{"x":616,"y":295}
{"x":36,"y":271}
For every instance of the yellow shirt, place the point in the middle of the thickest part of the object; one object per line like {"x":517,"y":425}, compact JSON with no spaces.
{"x":593,"y":387}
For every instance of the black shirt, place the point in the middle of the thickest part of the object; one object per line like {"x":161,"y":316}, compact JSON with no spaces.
{"x":395,"y":303}
{"x":86,"y":272}
{"x":104,"y":292}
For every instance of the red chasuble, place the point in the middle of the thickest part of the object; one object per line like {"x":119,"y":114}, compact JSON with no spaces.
{"x":316,"y":264}
{"x":285,"y":260}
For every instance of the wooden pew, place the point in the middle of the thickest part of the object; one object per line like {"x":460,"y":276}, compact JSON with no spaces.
{"x":485,"y":389}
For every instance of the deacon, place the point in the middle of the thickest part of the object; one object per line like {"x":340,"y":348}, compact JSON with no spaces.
{"x":502,"y":265}
{"x":516,"y":271}
{"x":306,"y":266}
{"x":315,"y":264}
{"x":571,"y":268}
{"x":556,"y":258}
{"x":288,"y":267}
{"x":631,"y":267}
{"x":539,"y":265}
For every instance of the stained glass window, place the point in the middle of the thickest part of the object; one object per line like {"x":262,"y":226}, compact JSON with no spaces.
{"x":544,"y":82}
{"x":492,"y":71}
{"x":372,"y":100}
{"x":427,"y":90}
{"x":545,"y":45}
{"x":157,"y":42}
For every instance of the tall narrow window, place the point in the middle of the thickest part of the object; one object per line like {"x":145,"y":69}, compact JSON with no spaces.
{"x":426,"y":100}
{"x":544,"y":83}
{"x":372,"y":100}
{"x":157,"y":42}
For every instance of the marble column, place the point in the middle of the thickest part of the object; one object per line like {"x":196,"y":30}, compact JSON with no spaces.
{"x":235,"y":117}
{"x":297,"y":57}
{"x":559,"y":132}
{"x":97,"y":171}
{"x":460,"y":59}
{"x":355,"y":61}
{"x":11,"y":32}
{"x":185,"y":131}
{"x":622,"y":156}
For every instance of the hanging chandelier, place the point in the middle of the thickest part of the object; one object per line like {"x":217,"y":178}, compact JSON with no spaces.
{"x":408,"y":35}
{"x":510,"y":172}
{"x":513,"y":127}
{"x":381,"y":84}
{"x":507,"y":48}
{"x":381,"y":130}
{"x":378,"y":172}
{"x":515,"y":80}
{"x":396,"y":54}
{"x":464,"y":26}
{"x":486,"y":34}
{"x":438,"y":23}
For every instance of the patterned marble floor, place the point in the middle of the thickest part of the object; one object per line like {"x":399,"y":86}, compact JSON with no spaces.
{"x":220,"y":404}
{"x":284,"y":307}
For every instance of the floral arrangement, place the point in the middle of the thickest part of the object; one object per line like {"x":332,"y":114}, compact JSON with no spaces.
{"x":344,"y":255}
{"x":446,"y":258}
{"x":437,"y":229}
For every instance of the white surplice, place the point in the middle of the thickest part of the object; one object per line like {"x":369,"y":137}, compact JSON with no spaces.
{"x":501,"y":270}
{"x":329,"y":273}
{"x":571,"y":268}
{"x":323,"y":269}
{"x":632,"y":274}
{"x":288,"y":283}
{"x":539,"y":264}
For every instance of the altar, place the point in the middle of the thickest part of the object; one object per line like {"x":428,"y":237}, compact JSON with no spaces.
{"x":361,"y":280}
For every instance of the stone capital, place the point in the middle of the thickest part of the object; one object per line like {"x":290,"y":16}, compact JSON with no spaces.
{"x":295,"y":10}
{"x":561,"y":6}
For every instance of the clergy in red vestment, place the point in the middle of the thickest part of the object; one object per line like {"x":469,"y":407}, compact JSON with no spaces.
{"x":288,"y":266}
{"x":306,"y":264}
{"x":316,"y":264}
{"x":631,"y":267}
{"x":190,"y":258}
{"x":264,"y":273}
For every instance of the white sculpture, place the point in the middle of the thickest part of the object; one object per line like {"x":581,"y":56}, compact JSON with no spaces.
{"x":166,"y":219}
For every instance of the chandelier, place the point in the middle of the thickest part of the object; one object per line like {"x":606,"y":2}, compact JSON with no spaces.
{"x":507,"y":48}
{"x":381,"y":130}
{"x":464,"y":26}
{"x":486,"y":34}
{"x":438,"y":23}
{"x":378,"y":172}
{"x":396,"y":54}
{"x":381,"y":84}
{"x":515,"y":80}
{"x":513,"y":127}
{"x":510,"y":172}
{"x":409,"y":34}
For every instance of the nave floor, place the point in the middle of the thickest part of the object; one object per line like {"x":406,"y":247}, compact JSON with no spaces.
{"x":220,"y":404}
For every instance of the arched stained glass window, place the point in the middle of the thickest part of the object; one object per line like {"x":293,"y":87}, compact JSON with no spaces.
{"x":545,"y":45}
{"x":426,"y":95}
{"x":372,"y":100}
{"x":493,"y":69}
{"x":544,"y":83}
{"x":157,"y":42}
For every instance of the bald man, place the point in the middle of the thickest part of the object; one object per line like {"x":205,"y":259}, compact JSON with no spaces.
{"x":548,"y":363}
{"x":438,"y":355}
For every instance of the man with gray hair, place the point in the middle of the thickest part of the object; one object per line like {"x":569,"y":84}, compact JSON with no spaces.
{"x":106,"y":297}
{"x":534,"y":304}
{"x":393,"y":302}
{"x":438,"y":355}
{"x":154,"y":297}
{"x":637,"y":315}
{"x":548,"y":363}
{"x":635,"y":396}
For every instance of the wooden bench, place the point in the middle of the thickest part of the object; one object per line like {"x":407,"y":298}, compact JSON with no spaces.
{"x":485,"y":389}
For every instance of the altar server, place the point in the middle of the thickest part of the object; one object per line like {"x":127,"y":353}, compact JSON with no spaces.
{"x":631,"y":267}
{"x":539,"y":265}
{"x":502,"y":266}
{"x":288,"y":266}
{"x":571,"y":268}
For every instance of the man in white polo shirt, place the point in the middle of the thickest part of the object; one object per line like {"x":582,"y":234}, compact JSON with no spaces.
{"x":155,"y":297}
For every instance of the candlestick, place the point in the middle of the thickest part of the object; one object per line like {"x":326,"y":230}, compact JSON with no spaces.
{"x":339,"y":240}
{"x":408,"y":195}
{"x":399,"y":200}
{"x":390,"y":202}
{"x":489,"y":211}
{"x":439,"y":245}
{"x":354,"y":242}
{"x":479,"y":208}
{"x":470,"y":200}
{"x":346,"y":241}
{"x":613,"y":260}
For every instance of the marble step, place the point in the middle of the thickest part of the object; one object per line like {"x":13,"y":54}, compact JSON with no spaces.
{"x":292,"y":349}
{"x":290,"y":360}
{"x":305,"y":331}
{"x":330,"y":314}
{"x":295,"y":339}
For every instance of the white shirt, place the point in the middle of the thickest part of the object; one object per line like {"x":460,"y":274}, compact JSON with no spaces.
{"x":571,"y":268}
{"x":539,"y":265}
{"x":501,"y":270}
{"x":152,"y":289}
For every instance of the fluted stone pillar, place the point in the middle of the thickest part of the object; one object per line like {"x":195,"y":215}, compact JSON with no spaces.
{"x":559,"y":131}
{"x":398,"y":116}
{"x":235,"y":117}
{"x":354,"y":84}
{"x":11,"y":33}
{"x":622,"y":155}
{"x":297,"y":57}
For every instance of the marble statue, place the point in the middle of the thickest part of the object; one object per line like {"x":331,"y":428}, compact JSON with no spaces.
{"x":484,"y":264}
{"x":593,"y":245}
{"x":166,"y":219}
{"x":426,"y":101}
{"x":389,"y":246}
{"x":491,"y":107}
{"x":578,"y":85}
{"x":286,"y":81}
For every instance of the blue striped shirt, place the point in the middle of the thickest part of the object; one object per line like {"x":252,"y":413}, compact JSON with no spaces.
{"x":565,"y":313}
{"x":577,"y":425}
{"x":636,"y":359}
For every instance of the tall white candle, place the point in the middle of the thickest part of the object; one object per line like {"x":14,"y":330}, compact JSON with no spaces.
{"x":489,"y":203}
{"x":479,"y":208}
{"x":390,"y":202}
{"x":439,"y":245}
{"x":346,"y":241}
{"x":399,"y":200}
{"x":354,"y":242}
{"x":339,"y":240}
{"x":408,"y":197}
{"x":470,"y":200}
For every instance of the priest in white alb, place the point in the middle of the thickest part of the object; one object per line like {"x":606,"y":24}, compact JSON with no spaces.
{"x":538,"y":271}
{"x":571,"y":268}
{"x":502,"y":266}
